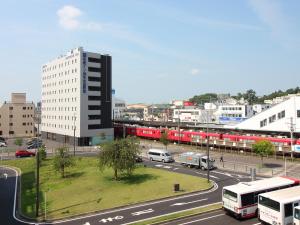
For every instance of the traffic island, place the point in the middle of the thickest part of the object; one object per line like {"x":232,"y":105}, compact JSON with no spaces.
{"x":85,"y":189}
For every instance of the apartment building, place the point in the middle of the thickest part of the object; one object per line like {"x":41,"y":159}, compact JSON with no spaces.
{"x":77,"y":98}
{"x":17,"y":117}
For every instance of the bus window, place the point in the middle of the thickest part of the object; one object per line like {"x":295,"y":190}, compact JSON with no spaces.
{"x":297,"y":214}
{"x":288,"y":210}
{"x":230,"y":195}
{"x":269,"y":203}
{"x":247,"y":199}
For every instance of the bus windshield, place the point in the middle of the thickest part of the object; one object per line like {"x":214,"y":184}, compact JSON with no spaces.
{"x":297,"y":214}
{"x":230,"y":195}
{"x":269,"y":203}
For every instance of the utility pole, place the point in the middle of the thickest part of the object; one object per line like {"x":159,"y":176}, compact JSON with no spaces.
{"x":292,"y":129}
{"x":207,"y":149}
{"x":37,"y":202}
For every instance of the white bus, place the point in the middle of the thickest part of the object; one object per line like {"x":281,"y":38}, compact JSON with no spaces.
{"x":241,"y":199}
{"x":297,"y":215}
{"x":277,"y":207}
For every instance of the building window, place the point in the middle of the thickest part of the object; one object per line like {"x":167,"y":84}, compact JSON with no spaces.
{"x":11,"y":108}
{"x":11,"y":132}
{"x":298,"y":113}
{"x":93,"y":69}
{"x":263,"y":123}
{"x":94,"y":60}
{"x":94,"y":107}
{"x":24,"y":108}
{"x":94,"y":117}
{"x":96,"y":79}
{"x":11,"y":124}
{"x":94,"y":98}
{"x":272,"y":119}
{"x":281,"y":114}
{"x":24,"y":124}
{"x":94,"y":126}
{"x":93,"y":88}
{"x":11,"y":116}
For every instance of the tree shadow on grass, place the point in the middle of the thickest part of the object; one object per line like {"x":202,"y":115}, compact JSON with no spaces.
{"x":74,"y":175}
{"x":134,"y":178}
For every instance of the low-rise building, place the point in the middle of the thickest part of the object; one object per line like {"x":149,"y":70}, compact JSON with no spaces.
{"x":17,"y":117}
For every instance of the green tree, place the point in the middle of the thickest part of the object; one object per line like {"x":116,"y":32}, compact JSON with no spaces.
{"x":201,"y":99}
{"x":62,"y":160}
{"x":120,"y":155}
{"x":19,"y":141}
{"x":164,"y":138}
{"x":42,"y":153}
{"x":263,"y":148}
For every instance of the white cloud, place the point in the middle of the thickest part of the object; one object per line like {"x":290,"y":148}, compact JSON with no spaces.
{"x":68,"y":17}
{"x":195,"y":71}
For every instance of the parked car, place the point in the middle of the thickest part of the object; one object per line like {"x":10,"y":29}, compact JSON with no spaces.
{"x":24,"y":153}
{"x":3,"y":144}
{"x":34,"y":145}
{"x":138,"y":159}
{"x":34,"y":141}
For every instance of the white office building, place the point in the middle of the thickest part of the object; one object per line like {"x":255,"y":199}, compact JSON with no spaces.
{"x":118,"y":108}
{"x":232,"y":114}
{"x":283,"y":117}
{"x":77,"y":98}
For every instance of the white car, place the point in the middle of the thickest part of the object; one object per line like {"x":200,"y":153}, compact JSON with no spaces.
{"x":2,"y":144}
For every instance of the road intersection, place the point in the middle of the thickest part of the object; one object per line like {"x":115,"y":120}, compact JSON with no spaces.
{"x":131,"y":213}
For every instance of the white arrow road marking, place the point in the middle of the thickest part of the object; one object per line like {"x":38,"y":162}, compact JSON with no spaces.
{"x":142,"y":212}
{"x":175,"y":169}
{"x":158,"y":165}
{"x":5,"y":175}
{"x":185,"y":203}
{"x":87,"y":223}
{"x":167,"y":167}
{"x":109,"y":219}
{"x":226,"y":174}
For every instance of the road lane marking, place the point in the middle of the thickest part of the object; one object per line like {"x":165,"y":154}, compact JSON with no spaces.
{"x":168,"y":214}
{"x":204,"y":174}
{"x":206,"y":218}
{"x":142,"y":212}
{"x":185,"y":203}
{"x":167,"y":167}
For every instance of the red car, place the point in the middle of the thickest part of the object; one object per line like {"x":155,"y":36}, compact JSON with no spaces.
{"x":24,"y":153}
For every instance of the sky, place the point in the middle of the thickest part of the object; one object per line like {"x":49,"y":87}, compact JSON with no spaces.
{"x":161,"y":49}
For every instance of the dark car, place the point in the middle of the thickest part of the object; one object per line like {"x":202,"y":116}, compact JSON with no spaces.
{"x":138,"y":159}
{"x":24,"y":153}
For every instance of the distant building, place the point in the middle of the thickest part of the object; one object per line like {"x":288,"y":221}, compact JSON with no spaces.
{"x":232,"y":114}
{"x":77,"y":98}
{"x":17,"y":117}
{"x":118,"y":108}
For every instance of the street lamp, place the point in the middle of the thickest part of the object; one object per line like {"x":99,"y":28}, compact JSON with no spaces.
{"x":207,"y":149}
{"x":74,"y":127}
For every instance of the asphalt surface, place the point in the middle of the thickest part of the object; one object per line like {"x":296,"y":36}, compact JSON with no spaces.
{"x":217,"y":217}
{"x":7,"y":197}
{"x":129,"y":214}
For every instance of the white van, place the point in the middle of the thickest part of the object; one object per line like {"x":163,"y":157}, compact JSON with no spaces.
{"x":159,"y":155}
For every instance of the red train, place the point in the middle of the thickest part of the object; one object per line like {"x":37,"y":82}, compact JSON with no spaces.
{"x":185,"y":136}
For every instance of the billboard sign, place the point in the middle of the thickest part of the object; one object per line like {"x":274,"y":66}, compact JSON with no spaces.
{"x":297,"y":148}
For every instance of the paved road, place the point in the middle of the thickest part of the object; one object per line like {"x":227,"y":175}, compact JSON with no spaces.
{"x":217,"y":217}
{"x":132,"y":213}
{"x":7,"y":197}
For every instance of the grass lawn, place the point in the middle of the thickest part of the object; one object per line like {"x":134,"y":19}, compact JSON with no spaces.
{"x":86,"y":189}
